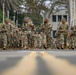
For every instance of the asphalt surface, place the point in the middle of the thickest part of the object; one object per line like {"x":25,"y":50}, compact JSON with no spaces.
{"x":10,"y":58}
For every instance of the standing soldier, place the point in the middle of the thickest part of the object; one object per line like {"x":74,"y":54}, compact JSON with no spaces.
{"x":46,"y":28}
{"x":63,"y":32}
{"x":74,"y":37}
{"x":27,"y":28}
{"x":71,"y":39}
{"x":6,"y":31}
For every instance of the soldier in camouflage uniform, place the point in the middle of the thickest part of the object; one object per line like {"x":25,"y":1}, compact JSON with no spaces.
{"x":73,"y":36}
{"x":70,"y":39}
{"x":6,"y":30}
{"x":63,"y":33}
{"x":1,"y":43}
{"x":27,"y":27}
{"x":33,"y":30}
{"x":46,"y":28}
{"x":14,"y":38}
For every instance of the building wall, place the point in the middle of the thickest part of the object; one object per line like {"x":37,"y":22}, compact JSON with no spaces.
{"x":72,"y":12}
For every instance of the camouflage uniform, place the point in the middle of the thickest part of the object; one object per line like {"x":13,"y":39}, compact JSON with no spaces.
{"x":14,"y":41}
{"x":53,"y":43}
{"x":74,"y":36}
{"x":33,"y":30}
{"x":14,"y":38}
{"x":24,"y":37}
{"x":57,"y":39}
{"x":20,"y":39}
{"x":46,"y":28}
{"x":63,"y":31}
{"x":42,"y":40}
{"x":27,"y":28}
{"x":6,"y":30}
{"x":36,"y":40}
{"x":3,"y":38}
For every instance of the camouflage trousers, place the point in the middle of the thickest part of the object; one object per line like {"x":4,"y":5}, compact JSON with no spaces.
{"x":53,"y":44}
{"x":14,"y":42}
{"x":36,"y":42}
{"x":63,"y":40}
{"x":9,"y":39}
{"x":73,"y":42}
{"x":20,"y":43}
{"x":30,"y":39}
{"x":42,"y":41}
{"x":3,"y":40}
{"x":24,"y":39}
{"x":48,"y":40}
{"x":58,"y":45}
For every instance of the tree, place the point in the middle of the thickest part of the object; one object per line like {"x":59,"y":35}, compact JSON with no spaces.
{"x":1,"y":16}
{"x":34,"y":8}
{"x":10,"y":4}
{"x":38,"y":9}
{"x":55,"y":5}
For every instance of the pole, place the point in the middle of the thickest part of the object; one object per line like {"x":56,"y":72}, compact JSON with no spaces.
{"x":14,"y":17}
{"x":8,"y":14}
{"x":74,"y":12}
{"x":3,"y":11}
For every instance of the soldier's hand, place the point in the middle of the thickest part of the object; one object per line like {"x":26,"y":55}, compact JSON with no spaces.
{"x":63,"y":31}
{"x":68,"y":35}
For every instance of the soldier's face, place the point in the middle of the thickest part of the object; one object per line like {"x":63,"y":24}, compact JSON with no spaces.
{"x":36,"y":32}
{"x":41,"y":33}
{"x":7,"y":21}
{"x":63,"y":21}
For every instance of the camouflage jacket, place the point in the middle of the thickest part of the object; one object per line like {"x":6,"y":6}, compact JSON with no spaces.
{"x":6,"y":28}
{"x":63,"y":28}
{"x":46,"y":28}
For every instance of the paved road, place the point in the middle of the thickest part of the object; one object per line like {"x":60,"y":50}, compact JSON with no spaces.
{"x":10,"y":58}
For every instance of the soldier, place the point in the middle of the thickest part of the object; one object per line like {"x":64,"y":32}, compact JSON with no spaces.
{"x":6,"y":31}
{"x":28,"y":27}
{"x":33,"y":33}
{"x":63,"y":32}
{"x":70,"y":39}
{"x":46,"y":28}
{"x":73,"y":36}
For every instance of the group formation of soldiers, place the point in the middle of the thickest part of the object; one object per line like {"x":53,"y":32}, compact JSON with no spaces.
{"x":37,"y":39}
{"x":10,"y":35}
{"x":28,"y":37}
